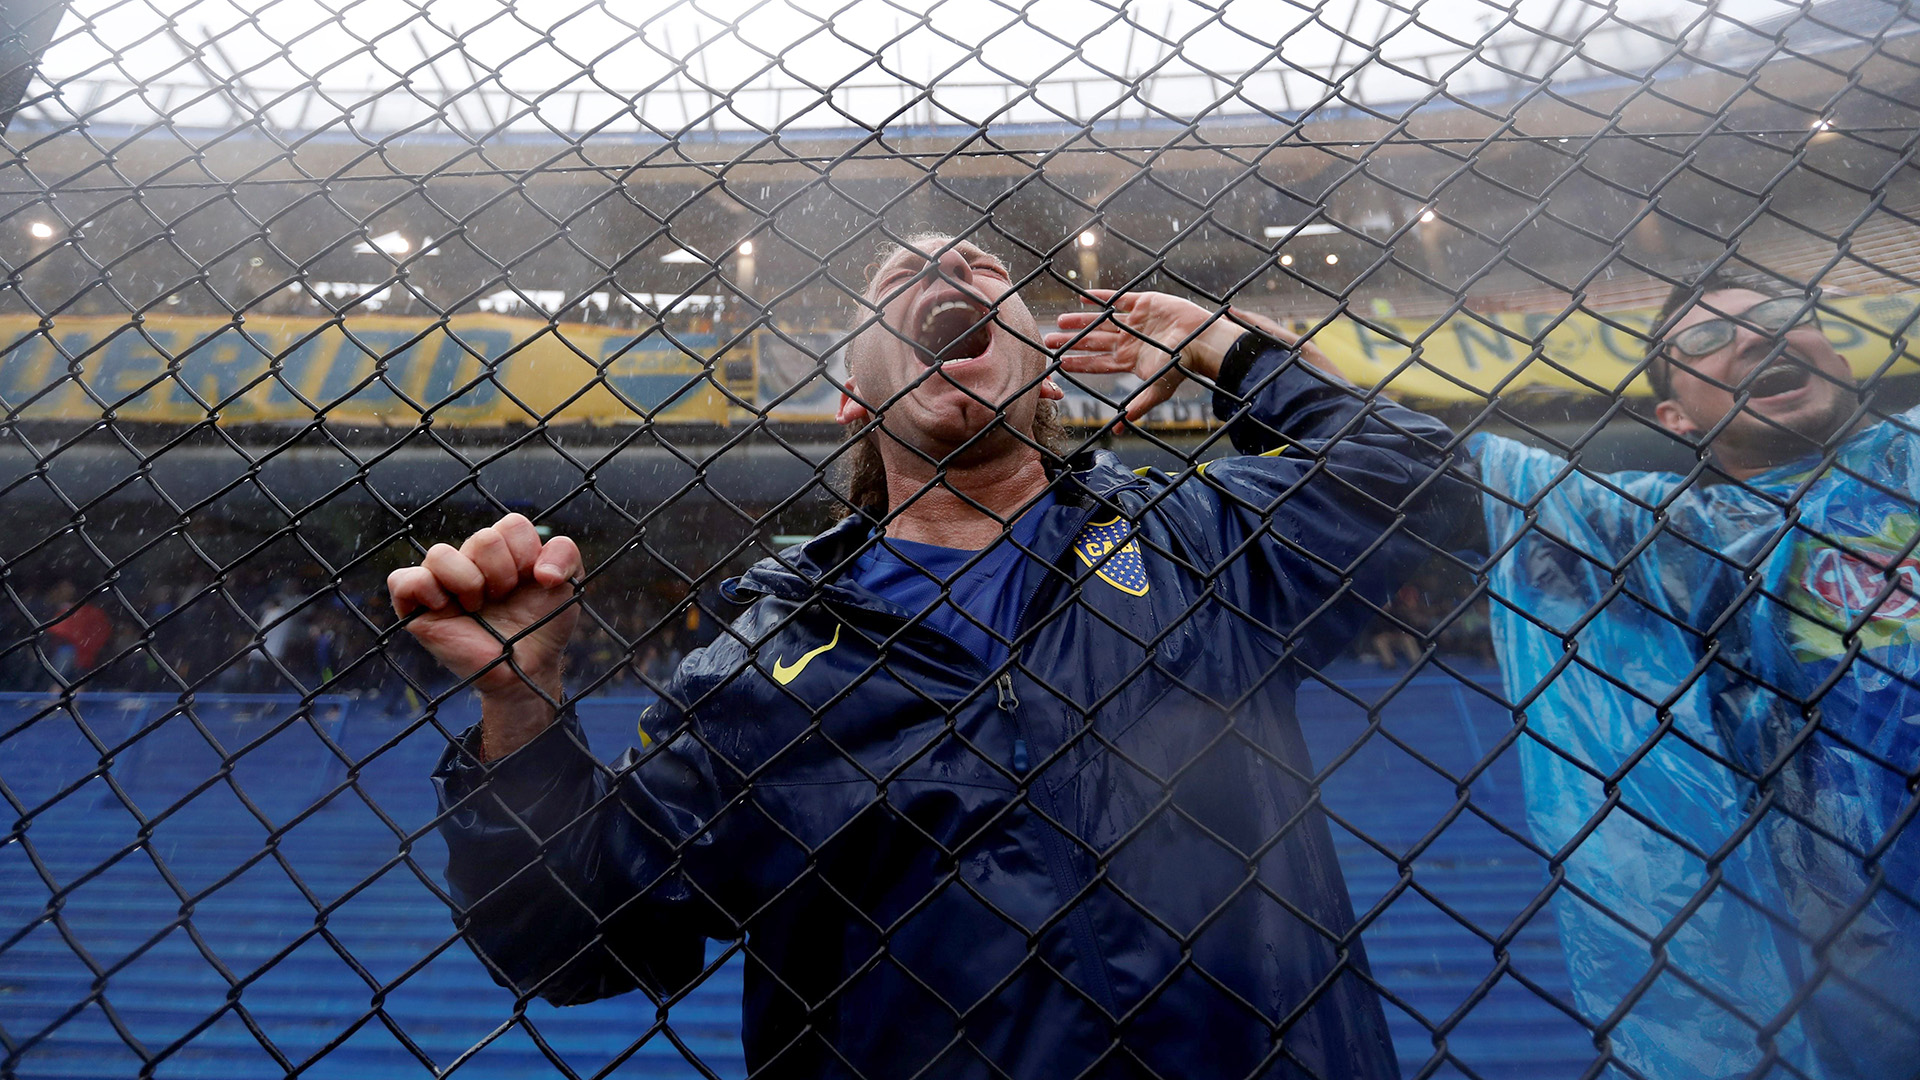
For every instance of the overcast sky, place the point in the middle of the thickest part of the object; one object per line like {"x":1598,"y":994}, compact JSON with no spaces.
{"x":601,"y":55}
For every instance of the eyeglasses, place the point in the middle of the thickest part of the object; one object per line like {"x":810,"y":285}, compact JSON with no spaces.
{"x":1769,"y":317}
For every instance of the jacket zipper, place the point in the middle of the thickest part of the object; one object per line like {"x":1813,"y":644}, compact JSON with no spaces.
{"x":1010,"y":703}
{"x":1059,"y":859}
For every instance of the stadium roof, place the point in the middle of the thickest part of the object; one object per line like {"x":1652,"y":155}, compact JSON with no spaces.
{"x":472,"y":70}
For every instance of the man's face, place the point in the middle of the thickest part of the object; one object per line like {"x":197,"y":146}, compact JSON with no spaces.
{"x":947,"y":357}
{"x":1800,"y":392}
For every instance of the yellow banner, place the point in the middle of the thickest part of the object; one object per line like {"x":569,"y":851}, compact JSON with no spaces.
{"x":391,"y":370}
{"x":1465,"y":358}
{"x":490,"y":370}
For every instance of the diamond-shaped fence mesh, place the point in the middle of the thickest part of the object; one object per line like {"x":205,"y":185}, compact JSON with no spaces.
{"x":983,"y":539}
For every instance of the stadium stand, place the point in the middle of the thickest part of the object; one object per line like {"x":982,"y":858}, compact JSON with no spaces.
{"x":317,"y":928}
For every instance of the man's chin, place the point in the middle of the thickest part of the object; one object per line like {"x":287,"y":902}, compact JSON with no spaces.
{"x":1777,"y":436}
{"x":1814,"y":421}
{"x":970,"y":434}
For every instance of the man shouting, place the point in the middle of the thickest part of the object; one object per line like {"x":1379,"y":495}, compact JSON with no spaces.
{"x":1722,"y":673}
{"x":1000,"y":776}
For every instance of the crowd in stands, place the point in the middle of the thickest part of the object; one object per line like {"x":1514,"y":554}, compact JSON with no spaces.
{"x":1433,"y":610}
{"x":266,"y":633}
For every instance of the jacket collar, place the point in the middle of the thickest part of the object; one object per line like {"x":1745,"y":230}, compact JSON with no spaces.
{"x":815,"y":569}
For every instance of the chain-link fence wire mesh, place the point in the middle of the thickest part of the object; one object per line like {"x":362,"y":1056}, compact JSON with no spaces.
{"x":1450,"y":695}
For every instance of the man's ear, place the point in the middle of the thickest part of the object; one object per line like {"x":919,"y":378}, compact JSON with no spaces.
{"x":1675,"y":419}
{"x":851,"y":411}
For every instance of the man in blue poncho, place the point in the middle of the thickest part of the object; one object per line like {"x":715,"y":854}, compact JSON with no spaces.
{"x":1729,"y":695}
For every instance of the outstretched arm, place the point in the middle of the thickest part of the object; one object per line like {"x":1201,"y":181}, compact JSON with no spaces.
{"x":550,"y":862}
{"x":1340,"y":494}
{"x":571,"y":879}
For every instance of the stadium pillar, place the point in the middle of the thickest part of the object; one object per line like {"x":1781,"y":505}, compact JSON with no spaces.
{"x":745,"y":271}
{"x":1648,"y":234}
{"x":1433,"y":247}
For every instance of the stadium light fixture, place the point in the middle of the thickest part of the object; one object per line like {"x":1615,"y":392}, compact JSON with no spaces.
{"x":41,"y":230}
{"x":681,"y":255}
{"x":1286,"y":260}
{"x":1427,"y":217}
{"x":1333,"y":260}
{"x":1088,"y":239}
{"x":746,"y":247}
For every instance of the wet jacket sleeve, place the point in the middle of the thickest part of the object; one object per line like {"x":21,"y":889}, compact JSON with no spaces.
{"x":1615,"y":511}
{"x":1337,"y":498}
{"x":574,"y":880}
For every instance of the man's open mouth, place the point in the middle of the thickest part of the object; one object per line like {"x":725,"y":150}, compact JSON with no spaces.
{"x":954,"y":330}
{"x":1780,"y":377}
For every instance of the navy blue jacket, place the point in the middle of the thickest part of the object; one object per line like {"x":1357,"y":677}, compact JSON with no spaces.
{"x":1103,"y":859}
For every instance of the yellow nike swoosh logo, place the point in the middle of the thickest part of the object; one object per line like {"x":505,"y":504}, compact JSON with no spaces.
{"x":786,"y":673}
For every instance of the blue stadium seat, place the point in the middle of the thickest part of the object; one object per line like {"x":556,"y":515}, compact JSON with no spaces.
{"x":315,"y":897}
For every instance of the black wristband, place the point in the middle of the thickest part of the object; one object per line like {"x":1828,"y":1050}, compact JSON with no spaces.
{"x":1240,"y":357}
{"x":1234,"y":367}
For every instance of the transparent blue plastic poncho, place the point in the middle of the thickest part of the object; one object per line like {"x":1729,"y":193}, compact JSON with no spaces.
{"x":1740,"y":660}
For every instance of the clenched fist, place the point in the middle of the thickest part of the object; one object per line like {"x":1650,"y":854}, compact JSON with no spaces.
{"x":494,"y":587}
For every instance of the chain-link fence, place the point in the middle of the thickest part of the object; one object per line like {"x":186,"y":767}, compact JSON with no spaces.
{"x":1486,"y":648}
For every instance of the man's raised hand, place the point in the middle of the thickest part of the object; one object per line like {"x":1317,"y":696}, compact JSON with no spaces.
{"x":464,"y":602}
{"x":1136,"y":335}
{"x":1138,"y":332}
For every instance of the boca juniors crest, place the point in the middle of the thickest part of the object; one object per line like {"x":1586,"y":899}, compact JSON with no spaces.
{"x":1113,"y":552}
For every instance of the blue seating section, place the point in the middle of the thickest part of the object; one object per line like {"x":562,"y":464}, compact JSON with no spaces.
{"x":284,"y":915}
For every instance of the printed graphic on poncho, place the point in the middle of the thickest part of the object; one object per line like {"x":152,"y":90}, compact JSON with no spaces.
{"x":1109,"y":547}
{"x":1837,"y":587}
